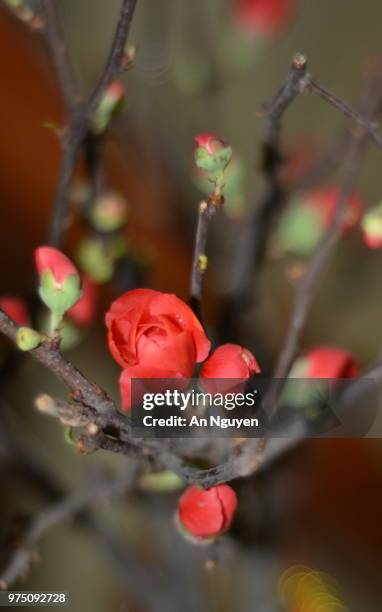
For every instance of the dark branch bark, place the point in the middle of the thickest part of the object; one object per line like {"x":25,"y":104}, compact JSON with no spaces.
{"x":57,"y":513}
{"x":80,"y":113}
{"x":113,"y":64}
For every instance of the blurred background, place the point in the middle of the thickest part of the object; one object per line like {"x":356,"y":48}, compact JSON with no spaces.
{"x":197,"y":69}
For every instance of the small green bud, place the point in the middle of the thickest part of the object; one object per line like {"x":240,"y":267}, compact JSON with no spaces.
{"x":161,"y":482}
{"x":27,"y":339}
{"x":96,"y":260}
{"x":108,"y":105}
{"x":109,"y":212}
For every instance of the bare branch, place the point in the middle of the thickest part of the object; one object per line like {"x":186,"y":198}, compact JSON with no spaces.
{"x":57,"y":513}
{"x":114,"y":62}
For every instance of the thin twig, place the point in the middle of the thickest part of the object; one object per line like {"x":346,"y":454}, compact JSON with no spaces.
{"x":80,"y":113}
{"x":114,"y":61}
{"x":253,"y":241}
{"x":199,"y":261}
{"x":57,"y":513}
{"x":55,"y":38}
{"x":309,"y":283}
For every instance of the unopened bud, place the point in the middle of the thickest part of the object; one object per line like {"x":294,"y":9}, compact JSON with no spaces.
{"x":110,"y":101}
{"x":59,"y":282}
{"x":371,"y":225}
{"x":211,"y":153}
{"x":109,"y":212}
{"x":27,"y":339}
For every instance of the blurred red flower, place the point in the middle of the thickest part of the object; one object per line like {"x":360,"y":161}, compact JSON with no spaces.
{"x":207,"y":513}
{"x":16,"y":309}
{"x":330,"y":362}
{"x":264,"y":17}
{"x":84,"y":311}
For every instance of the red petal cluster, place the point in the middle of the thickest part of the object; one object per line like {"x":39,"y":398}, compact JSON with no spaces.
{"x":207,"y":513}
{"x":210,"y":142}
{"x":49,"y":258}
{"x":229,"y":361}
{"x":330,"y":362}
{"x":154,"y":335}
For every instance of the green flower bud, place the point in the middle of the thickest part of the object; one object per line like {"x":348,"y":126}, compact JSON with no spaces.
{"x":27,"y":339}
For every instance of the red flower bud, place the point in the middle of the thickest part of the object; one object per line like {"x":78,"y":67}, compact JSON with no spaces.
{"x":84,"y":311}
{"x":154,"y":335}
{"x":16,"y":309}
{"x":211,"y":143}
{"x":52,"y":260}
{"x":264,"y":17}
{"x":207,"y":513}
{"x":330,"y":362}
{"x":229,"y":361}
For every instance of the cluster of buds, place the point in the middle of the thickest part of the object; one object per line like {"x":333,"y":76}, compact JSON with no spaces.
{"x":109,"y":104}
{"x":99,"y":252}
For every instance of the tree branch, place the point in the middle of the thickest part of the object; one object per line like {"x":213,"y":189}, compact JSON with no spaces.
{"x":57,"y":513}
{"x":80,"y":113}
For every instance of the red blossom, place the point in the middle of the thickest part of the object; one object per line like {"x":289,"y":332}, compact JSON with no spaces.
{"x":330,"y":362}
{"x":210,"y":142}
{"x":229,"y":361}
{"x":207,"y":513}
{"x":51,"y":259}
{"x":154,"y":335}
{"x":264,"y":17}
{"x":16,"y":309}
{"x":84,"y":311}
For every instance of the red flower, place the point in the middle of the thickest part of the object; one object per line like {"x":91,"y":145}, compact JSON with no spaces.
{"x":16,"y":309}
{"x":207,"y":513}
{"x":265,"y":17}
{"x":84,"y":311}
{"x":229,"y":361}
{"x":51,"y":259}
{"x":211,"y":143}
{"x":330,"y":362}
{"x":154,"y":335}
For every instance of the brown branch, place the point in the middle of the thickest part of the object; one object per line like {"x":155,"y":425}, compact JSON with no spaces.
{"x":114,"y":61}
{"x":52,"y":30}
{"x":199,"y":261}
{"x":255,"y":232}
{"x":80,"y":113}
{"x":57,"y":513}
{"x":308,"y":285}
